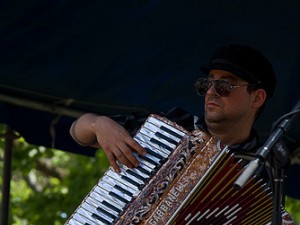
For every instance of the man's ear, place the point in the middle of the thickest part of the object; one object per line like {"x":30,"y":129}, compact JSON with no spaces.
{"x":260,"y":97}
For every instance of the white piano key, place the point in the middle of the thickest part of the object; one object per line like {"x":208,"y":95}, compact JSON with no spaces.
{"x":114,"y":182}
{"x":155,"y":129}
{"x":125,"y":173}
{"x":151,"y":159}
{"x":99,"y":205}
{"x":105,"y":194}
{"x":154,"y":158}
{"x":79,"y":219}
{"x":145,"y":164}
{"x":88,"y":215}
{"x":131,"y":179}
{"x":160,"y":123}
{"x":145,"y":169}
{"x":95,"y":214}
{"x":110,"y":188}
{"x":75,"y":222}
{"x":102,"y":199}
{"x":137,"y":171}
{"x":146,"y":146}
{"x":153,"y":136}
{"x":147,"y":139}
{"x":118,"y":178}
{"x":144,"y":141}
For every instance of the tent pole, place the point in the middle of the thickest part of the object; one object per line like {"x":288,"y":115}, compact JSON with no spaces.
{"x":63,"y":108}
{"x":7,"y":160}
{"x":23,"y":102}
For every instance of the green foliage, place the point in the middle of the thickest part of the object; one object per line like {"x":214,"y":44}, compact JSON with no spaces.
{"x":293,"y":207}
{"x":47,"y":184}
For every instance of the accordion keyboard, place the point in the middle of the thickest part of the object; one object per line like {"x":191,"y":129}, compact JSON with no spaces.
{"x":110,"y":197}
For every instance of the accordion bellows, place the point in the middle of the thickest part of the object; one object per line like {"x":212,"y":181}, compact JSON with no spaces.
{"x":188,"y":178}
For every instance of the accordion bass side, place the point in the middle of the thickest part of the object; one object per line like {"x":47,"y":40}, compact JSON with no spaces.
{"x":186,"y":178}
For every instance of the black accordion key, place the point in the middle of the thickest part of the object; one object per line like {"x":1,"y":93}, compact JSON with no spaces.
{"x":118,"y":187}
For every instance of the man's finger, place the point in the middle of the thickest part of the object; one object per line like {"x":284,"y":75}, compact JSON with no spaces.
{"x":112,"y":160}
{"x":136,"y":146}
{"x":129,"y":156}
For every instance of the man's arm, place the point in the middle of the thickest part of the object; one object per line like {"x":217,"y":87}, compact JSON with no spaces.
{"x":101,"y":131}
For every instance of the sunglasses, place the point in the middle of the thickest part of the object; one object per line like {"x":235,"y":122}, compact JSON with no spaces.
{"x":221,"y":87}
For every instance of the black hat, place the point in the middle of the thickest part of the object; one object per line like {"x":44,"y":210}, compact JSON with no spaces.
{"x":245,"y":62}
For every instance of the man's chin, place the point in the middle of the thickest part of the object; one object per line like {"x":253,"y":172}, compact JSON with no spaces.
{"x":212,"y":119}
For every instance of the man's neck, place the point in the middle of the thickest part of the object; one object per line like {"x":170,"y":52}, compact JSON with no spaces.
{"x":229,"y":134}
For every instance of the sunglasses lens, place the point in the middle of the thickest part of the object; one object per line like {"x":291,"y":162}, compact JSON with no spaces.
{"x":201,"y":86}
{"x":222,"y":88}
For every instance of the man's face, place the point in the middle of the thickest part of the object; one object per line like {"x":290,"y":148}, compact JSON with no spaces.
{"x":235,"y":108}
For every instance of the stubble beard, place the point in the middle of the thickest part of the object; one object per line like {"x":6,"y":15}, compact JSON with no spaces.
{"x":219,"y":121}
{"x":213,"y":116}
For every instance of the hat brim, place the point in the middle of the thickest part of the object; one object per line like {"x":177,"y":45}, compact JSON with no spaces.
{"x":230,"y":67}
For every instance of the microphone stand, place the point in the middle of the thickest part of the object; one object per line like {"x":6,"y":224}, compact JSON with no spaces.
{"x":278,"y":160}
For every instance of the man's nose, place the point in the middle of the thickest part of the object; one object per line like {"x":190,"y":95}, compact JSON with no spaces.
{"x":211,"y":90}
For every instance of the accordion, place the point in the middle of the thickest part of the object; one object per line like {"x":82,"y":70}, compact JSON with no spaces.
{"x":185,"y":178}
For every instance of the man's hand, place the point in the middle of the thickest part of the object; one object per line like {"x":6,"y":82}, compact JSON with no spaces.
{"x":116,"y":142}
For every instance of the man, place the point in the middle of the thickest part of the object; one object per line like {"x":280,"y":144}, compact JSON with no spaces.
{"x":239,"y":82}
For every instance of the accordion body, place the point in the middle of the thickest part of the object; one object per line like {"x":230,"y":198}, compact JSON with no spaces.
{"x":186,"y":178}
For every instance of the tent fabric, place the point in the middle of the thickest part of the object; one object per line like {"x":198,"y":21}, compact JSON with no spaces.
{"x":118,"y":57}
